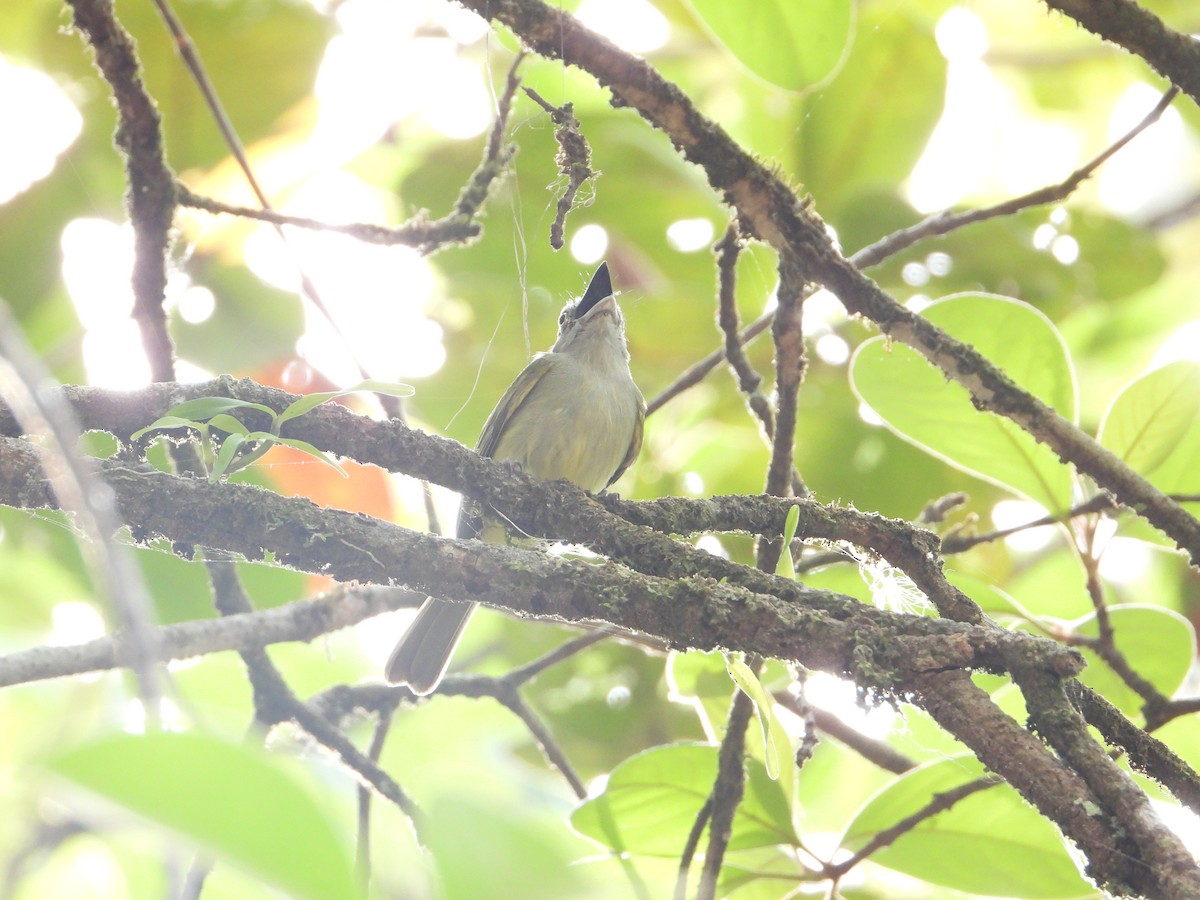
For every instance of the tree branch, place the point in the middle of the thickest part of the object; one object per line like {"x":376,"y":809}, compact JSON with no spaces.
{"x":150,"y":197}
{"x":1060,"y":794}
{"x":1175,"y":56}
{"x":555,"y":510}
{"x":1147,"y":754}
{"x":304,"y":620}
{"x":1157,"y":863}
{"x":878,"y":649}
{"x":727,"y":788}
{"x":770,"y":210}
{"x":829,"y":632}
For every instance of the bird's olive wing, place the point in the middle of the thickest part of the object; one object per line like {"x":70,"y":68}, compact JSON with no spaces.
{"x":635,"y":442}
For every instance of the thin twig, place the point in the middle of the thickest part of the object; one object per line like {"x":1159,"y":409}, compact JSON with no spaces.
{"x":419,"y":232}
{"x":729,"y":786}
{"x":936,"y":225}
{"x":958,"y":541}
{"x":497,"y":155}
{"x":1105,"y":645}
{"x":504,"y":689}
{"x":362,"y":843}
{"x":689,"y":847}
{"x":574,"y":160}
{"x":149,"y":197}
{"x":943,"y":222}
{"x":888,"y":836}
{"x":880,"y":753}
{"x":700,"y":370}
{"x":728,"y":249}
{"x":552,"y":751}
{"x":275,"y":702}
{"x":530,"y":670}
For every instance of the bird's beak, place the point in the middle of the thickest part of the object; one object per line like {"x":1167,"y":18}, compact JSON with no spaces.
{"x":600,"y":288}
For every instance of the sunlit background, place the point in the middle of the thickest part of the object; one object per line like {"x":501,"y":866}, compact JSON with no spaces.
{"x":987,"y":145}
{"x":428,"y":72}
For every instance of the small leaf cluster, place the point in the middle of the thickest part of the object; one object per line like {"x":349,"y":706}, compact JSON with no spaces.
{"x":227,"y":445}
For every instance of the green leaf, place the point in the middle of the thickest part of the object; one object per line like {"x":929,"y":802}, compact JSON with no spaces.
{"x":917,"y":402}
{"x":225,"y":456}
{"x":792,"y":45}
{"x":758,"y":874}
{"x":1150,"y":418}
{"x":306,"y":447}
{"x":166,"y":422}
{"x":312,"y":401}
{"x":743,"y":676}
{"x":701,"y":681}
{"x":991,"y":599}
{"x":229,"y":424}
{"x":991,"y":842}
{"x":869,"y":126}
{"x":235,"y":803}
{"x":203,"y":408}
{"x":1157,"y":643}
{"x":99,"y":444}
{"x":785,"y":566}
{"x":479,"y":845}
{"x":651,"y":800}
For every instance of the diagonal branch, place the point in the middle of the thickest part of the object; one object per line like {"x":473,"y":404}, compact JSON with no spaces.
{"x":770,"y":210}
{"x":150,"y":198}
{"x":275,"y":701}
{"x":946,"y":221}
{"x":936,"y":225}
{"x":1059,"y":793}
{"x":888,"y":836}
{"x":1163,"y":861}
{"x":1173,"y":55}
{"x":1147,"y":754}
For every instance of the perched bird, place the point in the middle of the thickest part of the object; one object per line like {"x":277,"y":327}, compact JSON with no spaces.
{"x":572,"y":413}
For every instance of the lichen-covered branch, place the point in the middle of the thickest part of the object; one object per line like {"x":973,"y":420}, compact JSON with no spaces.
{"x":771,"y":211}
{"x":828,"y":631}
{"x":150,"y":196}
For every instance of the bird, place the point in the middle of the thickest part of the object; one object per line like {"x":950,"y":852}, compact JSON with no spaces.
{"x":572,"y":413}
